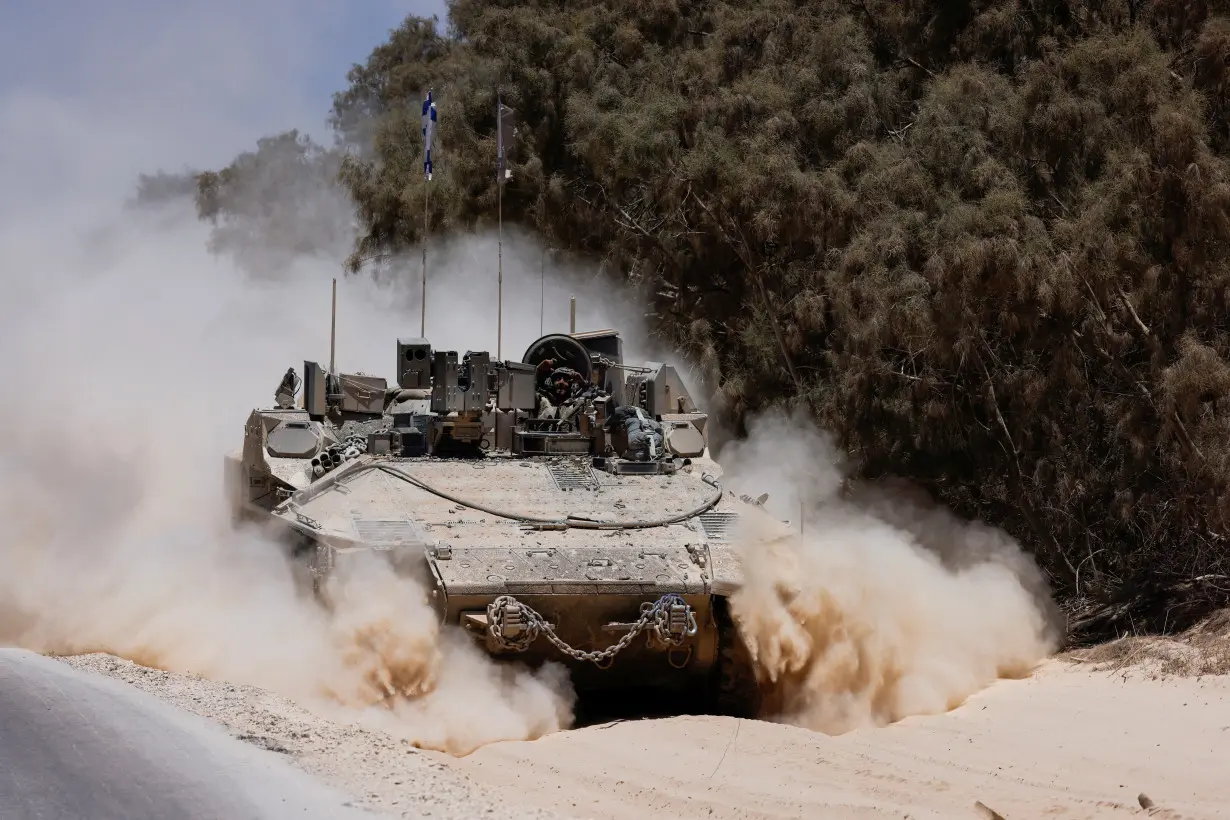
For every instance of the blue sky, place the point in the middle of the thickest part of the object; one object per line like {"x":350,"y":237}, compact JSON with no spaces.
{"x":361,"y":29}
{"x":92,"y":92}
{"x":58,"y":46}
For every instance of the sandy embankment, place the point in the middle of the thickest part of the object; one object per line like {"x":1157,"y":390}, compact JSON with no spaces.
{"x":1068,"y":742}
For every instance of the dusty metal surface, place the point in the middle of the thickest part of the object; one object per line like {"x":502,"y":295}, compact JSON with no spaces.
{"x":493,"y":554}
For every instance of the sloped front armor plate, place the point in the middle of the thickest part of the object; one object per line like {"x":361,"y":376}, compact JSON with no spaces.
{"x":480,"y":552}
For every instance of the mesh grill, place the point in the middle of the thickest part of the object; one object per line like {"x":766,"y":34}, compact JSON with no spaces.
{"x":573,"y":474}
{"x":386,"y":532}
{"x":718,"y":524}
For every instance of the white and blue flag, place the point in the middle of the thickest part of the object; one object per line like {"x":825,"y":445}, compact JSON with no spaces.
{"x":429,"y":132}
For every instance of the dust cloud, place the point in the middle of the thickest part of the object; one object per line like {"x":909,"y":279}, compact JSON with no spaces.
{"x":132,"y":357}
{"x":884,"y":606}
{"x":133,"y":360}
{"x":133,"y":354}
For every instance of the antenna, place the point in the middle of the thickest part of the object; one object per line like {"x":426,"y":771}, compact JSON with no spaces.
{"x":499,"y":310}
{"x":333,"y":330}
{"x":502,"y":173}
{"x":572,"y":321}
{"x":542,"y":288}
{"x":504,"y":132}
{"x":429,"y":133}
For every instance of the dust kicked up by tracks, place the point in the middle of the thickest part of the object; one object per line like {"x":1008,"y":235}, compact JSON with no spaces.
{"x":884,"y":605}
{"x":136,"y":371}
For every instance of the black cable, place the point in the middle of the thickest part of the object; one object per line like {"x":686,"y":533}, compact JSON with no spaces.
{"x":564,"y":523}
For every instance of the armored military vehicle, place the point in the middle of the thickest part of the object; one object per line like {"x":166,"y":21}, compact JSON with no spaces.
{"x":558,"y":506}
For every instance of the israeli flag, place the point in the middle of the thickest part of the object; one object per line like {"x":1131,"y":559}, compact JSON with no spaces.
{"x":429,"y":132}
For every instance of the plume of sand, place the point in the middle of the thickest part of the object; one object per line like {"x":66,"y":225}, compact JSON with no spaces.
{"x":132,"y":358}
{"x":136,"y":359}
{"x":878,"y":610}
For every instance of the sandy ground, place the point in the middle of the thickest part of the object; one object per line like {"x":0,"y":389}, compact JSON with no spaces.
{"x":384,"y":774}
{"x":1072,"y":741}
{"x":1067,"y":743}
{"x":75,"y":745}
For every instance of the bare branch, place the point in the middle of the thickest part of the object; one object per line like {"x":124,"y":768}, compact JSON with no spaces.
{"x":1127,"y":303}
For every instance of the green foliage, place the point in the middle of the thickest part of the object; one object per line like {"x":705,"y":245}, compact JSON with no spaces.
{"x":982,"y":242}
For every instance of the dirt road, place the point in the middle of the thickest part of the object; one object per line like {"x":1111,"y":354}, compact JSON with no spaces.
{"x":1068,"y":742}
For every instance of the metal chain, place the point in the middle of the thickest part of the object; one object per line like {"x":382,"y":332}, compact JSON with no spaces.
{"x":535,"y":624}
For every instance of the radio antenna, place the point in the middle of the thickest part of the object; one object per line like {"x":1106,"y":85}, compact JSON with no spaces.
{"x":333,"y":330}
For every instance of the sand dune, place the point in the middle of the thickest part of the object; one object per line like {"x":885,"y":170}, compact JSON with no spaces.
{"x":1067,"y":742}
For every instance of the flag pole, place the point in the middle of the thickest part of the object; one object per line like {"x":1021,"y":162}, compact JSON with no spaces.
{"x":429,"y":132}
{"x":423,"y":320}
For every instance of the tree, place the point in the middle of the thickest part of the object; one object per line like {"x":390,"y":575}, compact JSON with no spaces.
{"x":160,"y":188}
{"x":278,"y":203}
{"x":983,"y":243}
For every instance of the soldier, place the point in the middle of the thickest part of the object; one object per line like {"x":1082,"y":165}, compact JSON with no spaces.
{"x":644,"y":434}
{"x":544,"y":371}
{"x":557,"y":389}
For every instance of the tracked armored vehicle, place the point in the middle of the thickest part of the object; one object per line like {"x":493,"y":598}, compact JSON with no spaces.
{"x":558,"y":506}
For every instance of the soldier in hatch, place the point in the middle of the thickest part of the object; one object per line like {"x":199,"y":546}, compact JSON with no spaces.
{"x":558,"y":386}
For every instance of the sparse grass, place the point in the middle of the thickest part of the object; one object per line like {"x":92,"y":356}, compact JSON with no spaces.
{"x":1202,"y":650}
